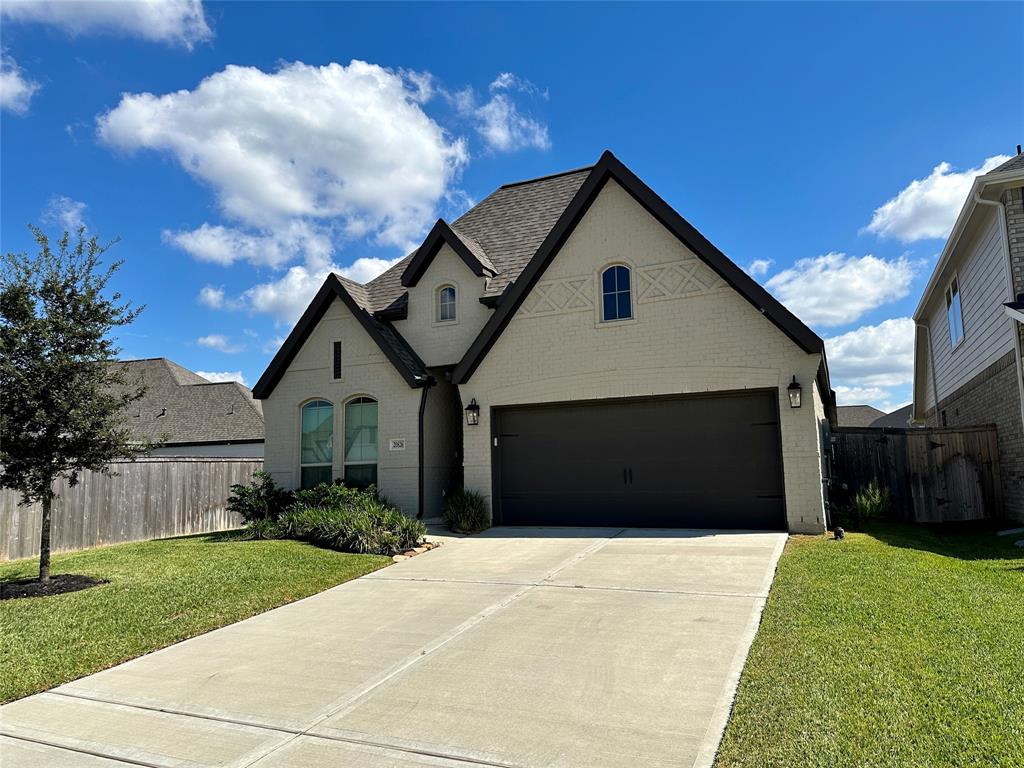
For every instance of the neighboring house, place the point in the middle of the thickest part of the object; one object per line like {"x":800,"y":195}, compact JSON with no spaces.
{"x":575,"y":351}
{"x":967,"y":354}
{"x":191,"y":416}
{"x":868,"y":416}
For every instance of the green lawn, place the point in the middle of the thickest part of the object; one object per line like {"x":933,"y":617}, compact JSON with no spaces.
{"x":160,"y":592}
{"x":900,"y":647}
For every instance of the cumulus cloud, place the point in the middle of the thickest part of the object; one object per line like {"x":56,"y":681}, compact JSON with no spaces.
{"x":927,"y":208}
{"x":219,"y":342}
{"x":218,"y":377}
{"x":177,"y":22}
{"x":226,"y":245}
{"x":873,"y":364}
{"x":345,"y":144}
{"x":16,"y":89}
{"x":759,"y":267}
{"x":65,"y":212}
{"x":499,"y":121}
{"x":836,"y":289}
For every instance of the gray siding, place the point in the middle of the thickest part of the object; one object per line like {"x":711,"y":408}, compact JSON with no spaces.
{"x":981,"y":268}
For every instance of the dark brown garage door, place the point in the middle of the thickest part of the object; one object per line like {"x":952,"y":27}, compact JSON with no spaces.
{"x":701,"y":462}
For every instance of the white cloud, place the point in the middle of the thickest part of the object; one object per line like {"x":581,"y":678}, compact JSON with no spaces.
{"x":218,"y":377}
{"x":835,"y":289}
{"x":226,"y":245}
{"x":345,"y":144}
{"x":68,"y":213}
{"x":16,"y":90}
{"x":364,"y":269}
{"x":219,"y":342}
{"x":759,"y":267}
{"x":869,"y":363}
{"x":212,"y":297}
{"x":178,"y":22}
{"x":499,"y":121}
{"x":927,"y":208}
{"x":285,"y":299}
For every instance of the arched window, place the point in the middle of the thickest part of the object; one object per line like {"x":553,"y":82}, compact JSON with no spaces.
{"x":361,"y":442}
{"x":446,"y":303}
{"x":616,"y":301}
{"x":317,"y":449}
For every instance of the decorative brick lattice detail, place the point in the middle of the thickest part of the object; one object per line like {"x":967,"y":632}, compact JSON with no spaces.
{"x":673,"y":280}
{"x":572,"y":294}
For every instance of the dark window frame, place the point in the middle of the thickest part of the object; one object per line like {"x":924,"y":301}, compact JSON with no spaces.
{"x":618,"y":294}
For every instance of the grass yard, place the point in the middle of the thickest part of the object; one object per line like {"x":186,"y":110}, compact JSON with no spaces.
{"x":160,"y":592}
{"x":900,"y":647}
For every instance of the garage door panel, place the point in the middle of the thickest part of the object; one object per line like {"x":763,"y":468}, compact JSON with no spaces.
{"x":683,"y":462}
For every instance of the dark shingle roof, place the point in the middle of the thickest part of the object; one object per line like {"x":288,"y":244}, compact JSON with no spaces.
{"x":899,"y":418}
{"x":1015,"y":163}
{"x":503,"y":231}
{"x":182,"y":407}
{"x":858,"y":415}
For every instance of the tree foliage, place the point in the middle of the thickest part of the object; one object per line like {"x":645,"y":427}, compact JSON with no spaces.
{"x":62,"y":393}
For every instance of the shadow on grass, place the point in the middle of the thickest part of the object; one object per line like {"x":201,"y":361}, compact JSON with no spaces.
{"x":974,"y":540}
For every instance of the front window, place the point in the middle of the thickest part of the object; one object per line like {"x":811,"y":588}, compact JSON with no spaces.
{"x":616,"y":300}
{"x":446,"y":303}
{"x":317,"y":450}
{"x":361,"y":442}
{"x":954,"y":314}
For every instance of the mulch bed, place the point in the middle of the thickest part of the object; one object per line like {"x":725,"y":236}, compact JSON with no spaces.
{"x":57,"y":585}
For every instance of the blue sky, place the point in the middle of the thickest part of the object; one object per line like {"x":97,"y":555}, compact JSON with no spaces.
{"x":239,"y":153}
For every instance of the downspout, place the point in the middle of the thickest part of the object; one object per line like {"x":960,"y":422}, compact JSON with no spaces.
{"x":931,"y":368}
{"x":1011,"y":296}
{"x":420,"y":449}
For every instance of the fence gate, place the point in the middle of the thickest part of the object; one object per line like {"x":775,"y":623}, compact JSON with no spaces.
{"x":934,"y":474}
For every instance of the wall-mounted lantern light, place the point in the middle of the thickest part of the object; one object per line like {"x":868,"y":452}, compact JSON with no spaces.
{"x":472,"y":413}
{"x":795,"y":391}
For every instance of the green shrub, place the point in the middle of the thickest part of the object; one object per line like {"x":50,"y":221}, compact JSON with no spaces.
{"x":350,"y":520}
{"x":466,"y":511}
{"x":262,"y":499}
{"x":257,"y":530}
{"x":869,"y":503}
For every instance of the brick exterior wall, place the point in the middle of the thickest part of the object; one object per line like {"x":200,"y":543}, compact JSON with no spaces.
{"x":993,"y":397}
{"x":691,"y":332}
{"x":1013,"y":204}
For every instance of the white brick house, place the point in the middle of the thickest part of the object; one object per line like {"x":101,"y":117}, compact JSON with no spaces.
{"x":625,"y":371}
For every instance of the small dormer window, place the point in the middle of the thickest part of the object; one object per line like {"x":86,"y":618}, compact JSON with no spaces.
{"x":446,"y":300}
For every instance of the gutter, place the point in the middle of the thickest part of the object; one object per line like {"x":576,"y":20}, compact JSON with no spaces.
{"x":1011,"y":296}
{"x":916,"y":416}
{"x":420,"y":448}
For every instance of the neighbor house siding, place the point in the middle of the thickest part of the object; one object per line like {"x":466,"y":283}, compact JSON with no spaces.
{"x":982,"y":274}
{"x":444,"y":343}
{"x":692,"y":333}
{"x":365,"y":371}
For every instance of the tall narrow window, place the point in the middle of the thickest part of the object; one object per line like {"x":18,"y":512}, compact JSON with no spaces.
{"x":317,"y":449}
{"x":361,"y":442}
{"x":616,"y":303}
{"x":446,"y":303}
{"x":954,"y":314}
{"x":337,"y":359}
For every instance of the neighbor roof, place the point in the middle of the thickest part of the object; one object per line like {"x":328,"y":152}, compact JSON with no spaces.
{"x":181,"y":407}
{"x":857,"y":415}
{"x":899,"y":418}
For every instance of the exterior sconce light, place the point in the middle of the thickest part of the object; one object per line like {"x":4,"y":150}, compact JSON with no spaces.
{"x":472,"y":413}
{"x":795,"y":391}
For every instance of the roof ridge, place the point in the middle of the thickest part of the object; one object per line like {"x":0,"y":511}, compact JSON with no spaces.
{"x":547,"y":177}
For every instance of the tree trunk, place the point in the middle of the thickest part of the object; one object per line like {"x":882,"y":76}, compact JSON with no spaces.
{"x":44,"y":540}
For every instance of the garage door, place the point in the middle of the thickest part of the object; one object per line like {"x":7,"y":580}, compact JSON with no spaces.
{"x":700,"y":462}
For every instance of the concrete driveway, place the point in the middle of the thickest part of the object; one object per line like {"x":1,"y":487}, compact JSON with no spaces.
{"x":519,"y":647}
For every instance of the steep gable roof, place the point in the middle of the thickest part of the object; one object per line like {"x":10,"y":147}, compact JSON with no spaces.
{"x":858,"y":415}
{"x":354,"y":297}
{"x":609,"y":167}
{"x":181,"y":407}
{"x":467,"y":249}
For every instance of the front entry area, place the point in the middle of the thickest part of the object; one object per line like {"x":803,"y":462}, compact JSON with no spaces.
{"x":706,"y":461}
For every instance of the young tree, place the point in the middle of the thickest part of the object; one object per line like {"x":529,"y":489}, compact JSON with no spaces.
{"x":62,"y":395}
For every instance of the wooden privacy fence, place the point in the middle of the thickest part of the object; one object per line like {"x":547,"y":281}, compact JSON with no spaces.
{"x":149,"y":498}
{"x":935,"y":474}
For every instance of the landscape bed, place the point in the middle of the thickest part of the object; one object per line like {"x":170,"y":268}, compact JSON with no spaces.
{"x":901,"y":646}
